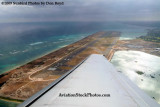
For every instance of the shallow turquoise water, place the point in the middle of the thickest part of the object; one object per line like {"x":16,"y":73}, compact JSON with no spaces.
{"x":28,"y":41}
{"x":8,"y":104}
{"x":24,"y":42}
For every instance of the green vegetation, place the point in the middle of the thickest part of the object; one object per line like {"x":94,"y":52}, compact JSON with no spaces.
{"x":139,"y":72}
{"x":152,"y":36}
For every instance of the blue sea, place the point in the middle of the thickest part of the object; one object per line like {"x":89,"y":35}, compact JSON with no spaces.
{"x":21,"y":43}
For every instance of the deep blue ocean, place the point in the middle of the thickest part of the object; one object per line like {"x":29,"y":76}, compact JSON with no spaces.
{"x":24,"y":42}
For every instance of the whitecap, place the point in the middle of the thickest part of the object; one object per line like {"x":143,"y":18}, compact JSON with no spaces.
{"x":25,"y":50}
{"x":14,"y":52}
{"x":36,"y":43}
{"x":61,"y":39}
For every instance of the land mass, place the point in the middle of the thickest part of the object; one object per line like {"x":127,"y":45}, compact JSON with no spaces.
{"x":153,"y":35}
{"x":26,"y":80}
{"x":150,"y":43}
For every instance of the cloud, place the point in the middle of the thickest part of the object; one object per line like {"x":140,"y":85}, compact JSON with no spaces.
{"x":84,"y":10}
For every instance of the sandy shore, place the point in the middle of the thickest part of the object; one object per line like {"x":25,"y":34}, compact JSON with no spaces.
{"x":11,"y":100}
{"x":24,"y":81}
{"x":28,"y":79}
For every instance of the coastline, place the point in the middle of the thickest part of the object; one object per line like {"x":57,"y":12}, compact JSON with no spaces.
{"x":105,"y":43}
{"x":11,"y":100}
{"x":138,"y":45}
{"x":39,"y":73}
{"x":7,"y":67}
{"x":19,"y":65}
{"x":37,"y":57}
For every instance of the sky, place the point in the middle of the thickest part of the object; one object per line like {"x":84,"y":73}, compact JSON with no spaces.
{"x":83,"y":10}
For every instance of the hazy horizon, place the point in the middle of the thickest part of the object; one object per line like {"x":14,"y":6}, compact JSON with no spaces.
{"x":84,"y":10}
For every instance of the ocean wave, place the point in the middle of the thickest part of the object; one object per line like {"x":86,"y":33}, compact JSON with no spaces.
{"x":55,"y":42}
{"x":25,"y":50}
{"x":60,"y":39}
{"x":58,"y":42}
{"x":14,"y":52}
{"x":63,"y":46}
{"x":36,"y":43}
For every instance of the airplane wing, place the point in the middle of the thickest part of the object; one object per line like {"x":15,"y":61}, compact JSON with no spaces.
{"x":93,"y":83}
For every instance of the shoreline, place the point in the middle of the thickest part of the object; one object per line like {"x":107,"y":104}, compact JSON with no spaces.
{"x":40,"y":56}
{"x":36,"y":75}
{"x":11,"y":100}
{"x":135,"y":45}
{"x":138,"y":45}
{"x":99,"y":43}
{"x":19,"y":65}
{"x":49,"y":67}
